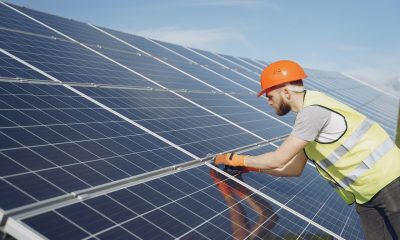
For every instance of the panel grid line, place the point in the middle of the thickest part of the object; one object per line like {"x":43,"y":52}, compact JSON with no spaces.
{"x":277,"y":202}
{"x":111,"y":110}
{"x":193,"y":77}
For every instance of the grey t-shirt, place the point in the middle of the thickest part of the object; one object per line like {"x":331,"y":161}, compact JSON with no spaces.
{"x":318,"y":123}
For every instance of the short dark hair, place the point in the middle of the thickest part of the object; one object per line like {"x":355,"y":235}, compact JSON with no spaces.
{"x":297,"y":82}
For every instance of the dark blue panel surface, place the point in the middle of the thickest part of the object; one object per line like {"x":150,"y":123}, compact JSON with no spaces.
{"x":220,"y":60}
{"x":85,"y":71}
{"x":10,"y":19}
{"x":249,"y":81}
{"x":35,"y":186}
{"x":54,"y":142}
{"x":77,"y":30}
{"x":15,"y":197}
{"x":219,"y":79}
{"x":261,"y":103}
{"x":176,"y":61}
{"x":67,"y":61}
{"x":241,"y":63}
{"x":260,"y":66}
{"x":309,"y":195}
{"x":85,"y":217}
{"x":10,"y":68}
{"x":62,"y":142}
{"x":110,"y":208}
{"x":255,"y":121}
{"x":146,"y":230}
{"x":117,"y":234}
{"x":174,"y":118}
{"x":214,"y":207}
{"x":57,"y":228}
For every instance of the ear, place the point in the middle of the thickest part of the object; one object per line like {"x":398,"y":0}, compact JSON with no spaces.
{"x":286,"y":92}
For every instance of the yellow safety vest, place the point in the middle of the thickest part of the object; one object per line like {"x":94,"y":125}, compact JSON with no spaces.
{"x":362,"y":161}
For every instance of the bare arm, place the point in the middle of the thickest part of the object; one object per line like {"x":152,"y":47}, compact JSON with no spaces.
{"x":289,"y":157}
{"x":293,"y":168}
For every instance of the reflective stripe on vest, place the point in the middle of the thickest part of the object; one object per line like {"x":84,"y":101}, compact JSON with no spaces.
{"x":368,"y":163}
{"x":347,"y":145}
{"x":359,"y":163}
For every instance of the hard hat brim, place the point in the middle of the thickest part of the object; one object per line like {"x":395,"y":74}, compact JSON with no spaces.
{"x":261,"y":93}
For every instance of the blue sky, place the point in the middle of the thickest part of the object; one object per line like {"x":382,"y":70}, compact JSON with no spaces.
{"x":359,"y":37}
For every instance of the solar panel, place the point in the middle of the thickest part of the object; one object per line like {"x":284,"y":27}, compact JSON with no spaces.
{"x":254,"y":62}
{"x":240,"y":62}
{"x":64,"y":143}
{"x":106,"y":134}
{"x":196,"y":130}
{"x":182,"y":205}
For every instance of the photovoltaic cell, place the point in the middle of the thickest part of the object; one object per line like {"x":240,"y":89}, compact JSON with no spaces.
{"x":223,"y":61}
{"x":55,"y":141}
{"x":61,"y":142}
{"x":250,"y":83}
{"x":193,"y":70}
{"x":203,"y":209}
{"x":126,"y":55}
{"x":261,"y":103}
{"x":177,"y":120}
{"x":67,"y":61}
{"x":241,"y":63}
{"x":10,"y":68}
{"x":75,"y":29}
{"x":9,"y":19}
{"x":257,"y":122}
{"x":254,"y":63}
{"x":308,"y":195}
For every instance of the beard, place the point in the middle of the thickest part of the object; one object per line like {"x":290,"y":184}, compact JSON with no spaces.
{"x":283,"y":109}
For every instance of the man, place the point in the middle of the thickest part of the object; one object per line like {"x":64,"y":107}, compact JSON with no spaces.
{"x":353,"y":153}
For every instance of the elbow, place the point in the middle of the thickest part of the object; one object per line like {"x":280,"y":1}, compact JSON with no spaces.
{"x":297,"y":172}
{"x":294,"y":172}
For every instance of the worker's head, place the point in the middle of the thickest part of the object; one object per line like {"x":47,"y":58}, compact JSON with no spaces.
{"x":279,"y":82}
{"x":280,"y":97}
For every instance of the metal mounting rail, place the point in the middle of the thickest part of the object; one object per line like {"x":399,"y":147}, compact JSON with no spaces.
{"x":114,"y":86}
{"x":42,"y":206}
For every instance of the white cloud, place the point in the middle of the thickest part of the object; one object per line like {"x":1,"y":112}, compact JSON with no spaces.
{"x":206,"y":39}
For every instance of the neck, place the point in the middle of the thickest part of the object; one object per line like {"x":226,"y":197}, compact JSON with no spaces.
{"x":297,"y":101}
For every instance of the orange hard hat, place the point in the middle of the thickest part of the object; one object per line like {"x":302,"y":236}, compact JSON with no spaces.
{"x":279,"y":72}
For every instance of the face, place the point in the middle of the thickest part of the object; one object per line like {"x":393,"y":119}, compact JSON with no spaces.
{"x":276,"y":100}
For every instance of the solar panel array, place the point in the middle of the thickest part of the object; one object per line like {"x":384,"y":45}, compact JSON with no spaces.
{"x":106,"y":134}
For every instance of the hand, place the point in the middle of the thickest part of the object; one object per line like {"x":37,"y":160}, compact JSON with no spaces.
{"x":231,"y":159}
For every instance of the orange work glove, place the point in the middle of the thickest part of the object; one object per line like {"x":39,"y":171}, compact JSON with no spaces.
{"x":231,"y":159}
{"x":250,"y":169}
{"x":239,"y":170}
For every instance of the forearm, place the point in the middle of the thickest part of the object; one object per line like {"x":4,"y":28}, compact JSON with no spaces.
{"x":281,"y":172}
{"x":266,"y":161}
{"x":292,"y":168}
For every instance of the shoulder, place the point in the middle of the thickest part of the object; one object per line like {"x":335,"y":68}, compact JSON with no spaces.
{"x":314,"y":111}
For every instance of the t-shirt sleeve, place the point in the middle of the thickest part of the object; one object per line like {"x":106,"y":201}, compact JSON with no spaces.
{"x":310,"y":121}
